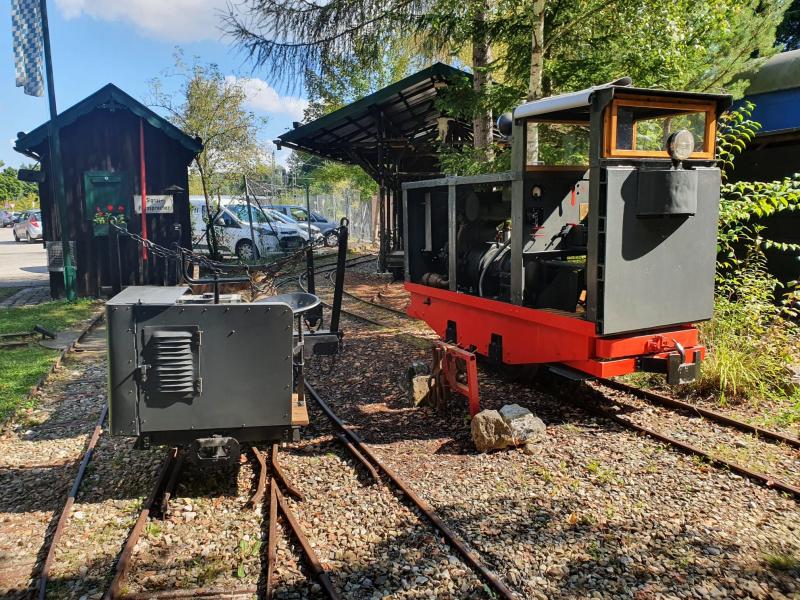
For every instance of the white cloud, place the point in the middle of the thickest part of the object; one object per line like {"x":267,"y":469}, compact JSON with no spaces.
{"x":172,"y":20}
{"x":263,"y":97}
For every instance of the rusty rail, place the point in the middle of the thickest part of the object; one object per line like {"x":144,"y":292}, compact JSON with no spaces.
{"x":360,"y":457}
{"x":63,"y":519}
{"x":272,"y":542}
{"x":762,"y":478}
{"x":455,"y":541}
{"x":192,"y":593}
{"x":258,"y":496}
{"x":276,"y":467}
{"x":169,"y":490}
{"x":709,"y":414}
{"x":313,"y":560}
{"x":123,"y":562}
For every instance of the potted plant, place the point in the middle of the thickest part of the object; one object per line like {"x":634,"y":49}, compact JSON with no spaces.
{"x":101,"y":218}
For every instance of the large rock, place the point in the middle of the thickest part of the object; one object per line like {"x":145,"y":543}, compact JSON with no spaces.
{"x":526,"y":428}
{"x":490,"y":431}
{"x":420,"y":391}
{"x":512,"y":425}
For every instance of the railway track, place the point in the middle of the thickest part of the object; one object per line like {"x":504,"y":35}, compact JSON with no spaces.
{"x":778,"y":446}
{"x":358,"y":308}
{"x":271,"y":480}
{"x":272,"y":487}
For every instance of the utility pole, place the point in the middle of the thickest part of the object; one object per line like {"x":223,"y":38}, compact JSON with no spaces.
{"x":56,"y":174}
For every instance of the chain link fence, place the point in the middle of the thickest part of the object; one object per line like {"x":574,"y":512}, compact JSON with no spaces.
{"x":345,"y":203}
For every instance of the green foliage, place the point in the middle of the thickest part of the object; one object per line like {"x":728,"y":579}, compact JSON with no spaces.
{"x":788,"y":34}
{"x":750,"y":343}
{"x":24,"y":195}
{"x":211,"y":106}
{"x":473,"y":161}
{"x":744,"y":203}
{"x":682,"y":44}
{"x":752,"y":339}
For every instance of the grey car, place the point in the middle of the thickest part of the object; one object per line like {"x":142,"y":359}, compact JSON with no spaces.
{"x":6,"y":218}
{"x":299,"y":213}
{"x":29,"y":226}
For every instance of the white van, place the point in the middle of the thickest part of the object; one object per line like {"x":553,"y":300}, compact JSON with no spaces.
{"x":233,"y":232}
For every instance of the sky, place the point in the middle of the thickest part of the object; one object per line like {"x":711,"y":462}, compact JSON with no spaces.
{"x":127,"y":43}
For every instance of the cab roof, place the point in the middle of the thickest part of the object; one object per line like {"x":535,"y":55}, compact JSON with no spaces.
{"x":576,"y":106}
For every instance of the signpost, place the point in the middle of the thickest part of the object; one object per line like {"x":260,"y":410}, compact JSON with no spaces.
{"x":56,"y":170}
{"x":156,"y":205}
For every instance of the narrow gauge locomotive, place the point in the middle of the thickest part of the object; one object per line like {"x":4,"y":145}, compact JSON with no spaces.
{"x":208,"y":371}
{"x":595,"y":253}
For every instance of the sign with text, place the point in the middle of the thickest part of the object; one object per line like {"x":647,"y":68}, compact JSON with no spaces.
{"x":155,"y":204}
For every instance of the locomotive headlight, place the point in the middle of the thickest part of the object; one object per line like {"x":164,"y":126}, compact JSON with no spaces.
{"x":680,"y":144}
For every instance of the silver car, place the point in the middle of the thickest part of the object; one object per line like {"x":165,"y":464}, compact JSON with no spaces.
{"x":29,"y":226}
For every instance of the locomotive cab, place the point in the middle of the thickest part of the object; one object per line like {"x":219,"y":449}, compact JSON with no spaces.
{"x":596,"y":251}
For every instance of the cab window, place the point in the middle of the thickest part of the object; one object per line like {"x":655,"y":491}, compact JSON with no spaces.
{"x":640,"y":127}
{"x":556,"y":144}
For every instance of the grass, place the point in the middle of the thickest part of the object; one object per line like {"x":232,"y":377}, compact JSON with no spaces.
{"x":22,"y":367}
{"x":780,"y":561}
{"x":7,"y":292}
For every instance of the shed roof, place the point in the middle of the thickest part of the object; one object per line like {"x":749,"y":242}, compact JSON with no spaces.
{"x":407,"y":107}
{"x":779,"y":72}
{"x":106,"y":97}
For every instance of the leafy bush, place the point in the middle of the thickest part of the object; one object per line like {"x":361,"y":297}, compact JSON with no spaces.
{"x":752,"y":339}
{"x":750,"y":342}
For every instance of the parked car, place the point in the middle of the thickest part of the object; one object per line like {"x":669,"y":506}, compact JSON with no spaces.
{"x":6,"y":218}
{"x":300,"y":214}
{"x":232,"y":229}
{"x":302,"y":228}
{"x":28,"y":226}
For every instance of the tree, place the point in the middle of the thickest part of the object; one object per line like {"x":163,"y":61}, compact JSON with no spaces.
{"x":24,"y":195}
{"x":788,"y":35}
{"x":291,"y":39}
{"x":210,"y":106}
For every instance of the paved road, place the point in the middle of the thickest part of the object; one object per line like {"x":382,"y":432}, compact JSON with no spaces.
{"x":21,"y":264}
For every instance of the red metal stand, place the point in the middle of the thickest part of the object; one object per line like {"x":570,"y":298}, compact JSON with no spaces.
{"x":457,"y":369}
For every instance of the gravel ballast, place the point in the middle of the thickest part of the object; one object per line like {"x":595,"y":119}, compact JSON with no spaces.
{"x":593,"y":511}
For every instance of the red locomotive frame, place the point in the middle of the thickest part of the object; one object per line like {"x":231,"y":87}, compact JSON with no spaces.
{"x":544,"y":335}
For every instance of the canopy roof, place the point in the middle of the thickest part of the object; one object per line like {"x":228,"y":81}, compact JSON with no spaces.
{"x":107,"y":97}
{"x":391,"y":130}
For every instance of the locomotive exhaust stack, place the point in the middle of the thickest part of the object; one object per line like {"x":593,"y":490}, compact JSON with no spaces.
{"x":594,"y":254}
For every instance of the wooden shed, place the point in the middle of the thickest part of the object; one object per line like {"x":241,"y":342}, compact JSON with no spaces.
{"x":102,"y":150}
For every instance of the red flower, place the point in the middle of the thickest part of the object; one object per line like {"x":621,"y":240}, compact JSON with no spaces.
{"x":97,"y":209}
{"x":110,"y":207}
{"x":121,"y":208}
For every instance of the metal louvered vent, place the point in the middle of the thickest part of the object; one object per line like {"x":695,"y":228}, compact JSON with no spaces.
{"x":172,"y":366}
